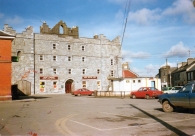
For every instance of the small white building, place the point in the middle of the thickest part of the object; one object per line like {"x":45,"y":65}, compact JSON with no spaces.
{"x":130,"y":81}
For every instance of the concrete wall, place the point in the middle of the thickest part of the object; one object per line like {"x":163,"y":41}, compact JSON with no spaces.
{"x":132,"y":84}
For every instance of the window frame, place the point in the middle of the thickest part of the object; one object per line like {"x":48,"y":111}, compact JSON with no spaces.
{"x":41,"y":70}
{"x":54,"y":70}
{"x":41,"y":57}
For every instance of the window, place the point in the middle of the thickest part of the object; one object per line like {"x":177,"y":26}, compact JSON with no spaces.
{"x":41,"y":70}
{"x":192,"y":77}
{"x":139,"y":81}
{"x":84,"y":71}
{"x":98,"y":71}
{"x":188,"y":76}
{"x":186,"y":89}
{"x":41,"y":57}
{"x":69,"y":47}
{"x":69,"y":58}
{"x":54,"y":70}
{"x":54,"y":46}
{"x":83,"y":59}
{"x":84,"y":84}
{"x":112,"y":73}
{"x":133,"y":81}
{"x":55,"y":85}
{"x":193,"y":91}
{"x":69,"y":71}
{"x":54,"y":58}
{"x":111,"y":62}
{"x":42,"y":86}
{"x":83,"y":48}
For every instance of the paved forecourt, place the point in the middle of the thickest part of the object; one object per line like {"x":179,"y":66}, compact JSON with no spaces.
{"x":86,"y":115}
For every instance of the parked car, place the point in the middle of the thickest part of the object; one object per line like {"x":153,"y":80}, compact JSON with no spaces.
{"x":174,"y":89}
{"x":146,"y":92}
{"x":185,"y":98}
{"x":83,"y":91}
{"x":166,"y":88}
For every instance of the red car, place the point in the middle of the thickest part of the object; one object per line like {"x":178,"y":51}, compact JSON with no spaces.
{"x":146,"y":92}
{"x":83,"y":91}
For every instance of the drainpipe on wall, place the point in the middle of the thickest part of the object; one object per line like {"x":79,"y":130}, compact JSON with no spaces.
{"x":34,"y":59}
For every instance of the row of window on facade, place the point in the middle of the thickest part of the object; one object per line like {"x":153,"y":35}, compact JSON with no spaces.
{"x":41,"y":71}
{"x":134,"y":81}
{"x":41,"y":58}
{"x":68,"y":47}
{"x":84,"y":85}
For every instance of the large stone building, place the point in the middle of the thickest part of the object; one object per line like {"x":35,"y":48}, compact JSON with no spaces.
{"x":57,"y":60}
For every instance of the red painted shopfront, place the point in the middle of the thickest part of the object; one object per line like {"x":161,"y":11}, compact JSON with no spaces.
{"x":5,"y":65}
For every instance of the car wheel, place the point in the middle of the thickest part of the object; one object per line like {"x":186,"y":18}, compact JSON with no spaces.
{"x":167,"y":107}
{"x":147,"y":96}
{"x":133,"y":96}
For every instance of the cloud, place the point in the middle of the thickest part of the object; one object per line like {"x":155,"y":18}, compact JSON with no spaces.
{"x":145,"y":16}
{"x":14,"y":20}
{"x":183,"y":8}
{"x":149,"y":70}
{"x":135,"y":55}
{"x":178,"y":50}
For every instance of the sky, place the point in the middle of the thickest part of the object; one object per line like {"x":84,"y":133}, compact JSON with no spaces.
{"x":156,"y":30}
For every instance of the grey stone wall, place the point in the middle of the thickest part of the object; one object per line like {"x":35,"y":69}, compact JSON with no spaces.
{"x":98,"y":52}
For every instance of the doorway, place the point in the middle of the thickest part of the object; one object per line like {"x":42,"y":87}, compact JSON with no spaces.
{"x":153,"y":84}
{"x":69,"y":86}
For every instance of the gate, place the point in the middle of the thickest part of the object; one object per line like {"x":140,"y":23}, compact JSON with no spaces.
{"x":24,"y":87}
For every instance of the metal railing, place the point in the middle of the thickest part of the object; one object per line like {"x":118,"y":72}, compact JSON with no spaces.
{"x":121,"y":94}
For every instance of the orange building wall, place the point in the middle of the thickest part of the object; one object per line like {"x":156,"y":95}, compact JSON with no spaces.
{"x":5,"y":67}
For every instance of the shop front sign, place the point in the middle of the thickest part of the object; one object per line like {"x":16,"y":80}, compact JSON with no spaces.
{"x":48,"y":78}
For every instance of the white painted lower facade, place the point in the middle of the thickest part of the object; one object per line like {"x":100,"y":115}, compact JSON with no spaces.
{"x":132,"y":84}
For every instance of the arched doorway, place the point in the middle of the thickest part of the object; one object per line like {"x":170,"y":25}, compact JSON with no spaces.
{"x":69,"y":86}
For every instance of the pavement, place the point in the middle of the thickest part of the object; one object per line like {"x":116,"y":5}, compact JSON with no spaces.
{"x":70,"y":115}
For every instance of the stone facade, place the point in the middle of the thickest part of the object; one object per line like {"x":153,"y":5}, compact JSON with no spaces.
{"x":61,"y":63}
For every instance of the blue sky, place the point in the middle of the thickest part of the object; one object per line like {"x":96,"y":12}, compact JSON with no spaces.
{"x":156,"y":29}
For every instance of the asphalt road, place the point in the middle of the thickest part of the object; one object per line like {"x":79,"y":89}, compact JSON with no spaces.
{"x":88,"y":116}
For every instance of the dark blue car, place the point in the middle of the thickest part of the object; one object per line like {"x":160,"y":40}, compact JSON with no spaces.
{"x":185,"y":98}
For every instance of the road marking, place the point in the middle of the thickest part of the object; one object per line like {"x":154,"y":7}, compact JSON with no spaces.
{"x":126,"y":115}
{"x":61,"y":125}
{"x":109,"y":129}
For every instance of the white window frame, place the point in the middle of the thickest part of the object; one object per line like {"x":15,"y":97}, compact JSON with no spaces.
{"x":54,"y":70}
{"x":41,"y":57}
{"x":111,"y":62}
{"x":69,"y":71}
{"x":54,"y":46}
{"x":83,"y":48}
{"x":69,"y":47}
{"x":112,"y":73}
{"x":55,"y":87}
{"x":98,"y":71}
{"x":83,"y":59}
{"x":41,"y":70}
{"x":69,"y":58}
{"x":83,"y":71}
{"x":84,"y":84}
{"x":54,"y":58}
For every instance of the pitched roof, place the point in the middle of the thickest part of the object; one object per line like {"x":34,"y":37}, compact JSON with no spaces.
{"x":5,"y":35}
{"x":129,"y":74}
